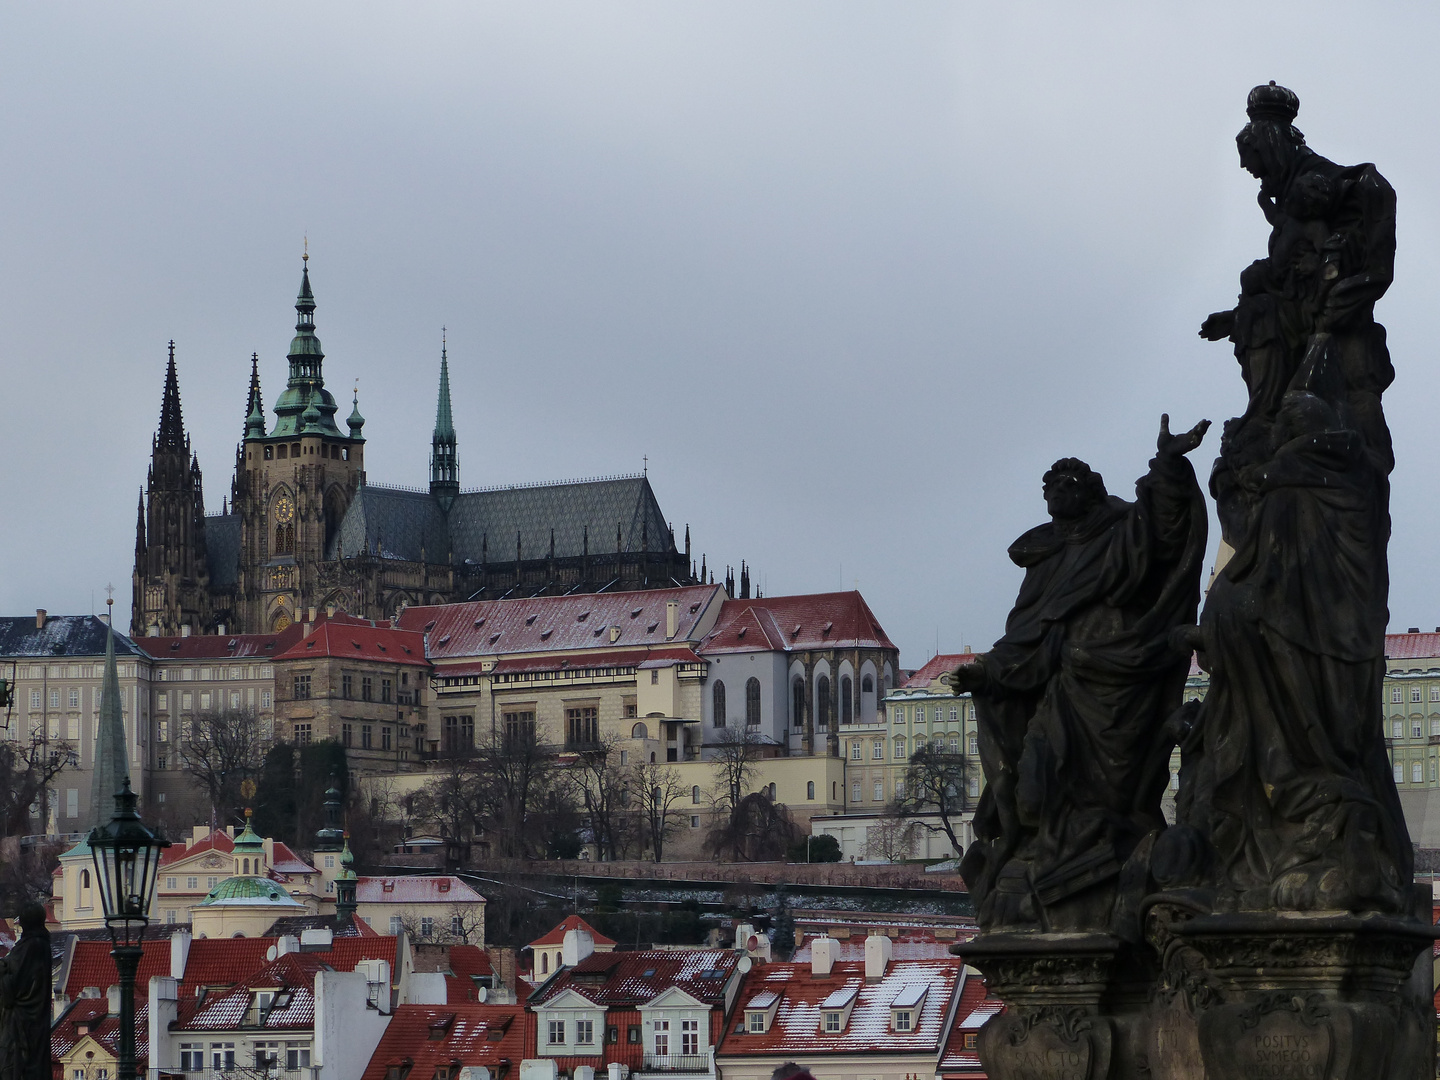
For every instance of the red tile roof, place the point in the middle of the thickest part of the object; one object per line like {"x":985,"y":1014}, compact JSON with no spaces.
{"x":92,"y":966}
{"x":439,"y":889}
{"x":935,"y":667}
{"x":1412,"y":646}
{"x":815,"y":621}
{"x":103,"y":1028}
{"x":976,"y":1006}
{"x":360,"y":641}
{"x":223,"y":962}
{"x":233,"y":646}
{"x":467,"y":962}
{"x":287,"y":862}
{"x":797,"y":1029}
{"x":559,"y":623}
{"x":620,"y":979}
{"x":216,"y":841}
{"x":571,"y":922}
{"x":485,"y":1035}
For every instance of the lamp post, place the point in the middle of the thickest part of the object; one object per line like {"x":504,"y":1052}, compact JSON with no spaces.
{"x":127,"y":855}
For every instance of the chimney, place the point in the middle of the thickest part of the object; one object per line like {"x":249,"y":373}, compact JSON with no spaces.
{"x":287,"y":943}
{"x":672,"y":618}
{"x":185,"y":630}
{"x":317,"y":940}
{"x":179,"y":953}
{"x":877,"y":957}
{"x":822,"y":955}
{"x":39,"y":618}
{"x":575,"y":946}
{"x":112,"y":999}
{"x":618,"y":1070}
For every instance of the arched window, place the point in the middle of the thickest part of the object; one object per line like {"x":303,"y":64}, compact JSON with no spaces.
{"x":544,"y":963}
{"x":695,"y":794}
{"x":797,"y":702}
{"x":772,"y":792}
{"x":752,"y":702}
{"x":847,"y":700}
{"x":718,"y":701}
{"x":867,"y":685}
{"x":899,"y":747}
{"x":834,"y":790}
{"x":810,"y":789}
{"x":919,"y":743}
{"x":284,"y":540}
{"x":822,"y":701}
{"x":639,"y":731}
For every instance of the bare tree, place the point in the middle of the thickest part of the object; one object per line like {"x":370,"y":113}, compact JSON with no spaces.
{"x":26,"y":769}
{"x":458,"y":924}
{"x":220,"y":751}
{"x":891,"y":837}
{"x":515,"y":782}
{"x":759,"y":830}
{"x":601,"y":790}
{"x":451,"y":801}
{"x":658,"y":791}
{"x":935,"y":786}
{"x":736,"y":752}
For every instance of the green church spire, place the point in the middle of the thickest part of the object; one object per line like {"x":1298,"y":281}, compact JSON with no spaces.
{"x":112,"y":767}
{"x":305,"y":388}
{"x":444,"y":468}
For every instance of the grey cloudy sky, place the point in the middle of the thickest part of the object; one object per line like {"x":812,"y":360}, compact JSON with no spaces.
{"x":850,"y":275}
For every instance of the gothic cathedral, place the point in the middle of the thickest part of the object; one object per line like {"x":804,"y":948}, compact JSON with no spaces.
{"x":304,"y":532}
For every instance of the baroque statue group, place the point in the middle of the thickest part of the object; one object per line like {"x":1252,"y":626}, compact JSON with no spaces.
{"x":1272,"y":930}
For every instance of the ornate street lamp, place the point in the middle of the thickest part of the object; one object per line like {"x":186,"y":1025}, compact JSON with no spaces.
{"x":127,"y":855}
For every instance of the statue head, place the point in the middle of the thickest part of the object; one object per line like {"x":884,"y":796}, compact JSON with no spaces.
{"x":1270,"y":142}
{"x":1072,"y":489}
{"x":31,"y":918}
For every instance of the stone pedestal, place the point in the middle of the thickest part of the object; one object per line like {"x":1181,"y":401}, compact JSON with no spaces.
{"x":1076,"y":1005}
{"x":1289,"y":997}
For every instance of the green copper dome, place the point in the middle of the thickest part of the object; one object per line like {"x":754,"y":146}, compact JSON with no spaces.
{"x":305,"y":390}
{"x":252,"y":890}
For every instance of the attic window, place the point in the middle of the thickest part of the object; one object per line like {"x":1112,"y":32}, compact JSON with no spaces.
{"x":651,"y":628}
{"x":231,"y":644}
{"x":582,"y":616}
{"x":406,"y":648}
{"x":530,"y":619}
{"x":444,"y":886}
{"x":430,"y":626}
{"x":440,"y":1025}
{"x":355,"y":643}
{"x":445,"y":640}
{"x":545,"y":634}
{"x":694,"y":608}
{"x":635,"y":614}
{"x":479,"y":622}
{"x":388,"y":886}
{"x":834,"y":1021}
{"x":796,"y":632}
{"x":648,"y":973}
{"x":311,"y":645}
{"x":741,"y":634}
{"x":381,"y":646}
{"x":494,"y":637}
{"x":175,"y":645}
{"x":599,"y":630}
{"x":828,"y":627}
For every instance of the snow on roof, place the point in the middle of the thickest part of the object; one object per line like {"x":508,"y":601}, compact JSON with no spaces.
{"x":797,"y":1025}
{"x":768,"y":998}
{"x":974,"y":1008}
{"x":429,"y":1038}
{"x":630,"y":979}
{"x":840,"y":998}
{"x":436,"y":889}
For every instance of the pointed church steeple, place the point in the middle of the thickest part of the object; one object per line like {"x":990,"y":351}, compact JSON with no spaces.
{"x":305,"y":390}
{"x":112,"y":767}
{"x":444,"y":468}
{"x":255,"y":407}
{"x":171,"y":435}
{"x":140,"y":529}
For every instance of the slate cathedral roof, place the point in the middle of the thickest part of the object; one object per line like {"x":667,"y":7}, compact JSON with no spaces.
{"x":480,"y":525}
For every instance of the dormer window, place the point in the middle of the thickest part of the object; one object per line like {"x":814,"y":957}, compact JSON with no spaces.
{"x":833,"y":1022}
{"x":835,"y":1009}
{"x":905,"y":1009}
{"x":760,"y":1012}
{"x":756,"y":1021}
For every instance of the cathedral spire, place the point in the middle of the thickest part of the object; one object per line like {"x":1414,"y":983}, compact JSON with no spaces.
{"x":305,"y":388}
{"x":112,"y":770}
{"x":444,"y":468}
{"x":140,"y":528}
{"x":172,"y":426}
{"x":255,"y":406}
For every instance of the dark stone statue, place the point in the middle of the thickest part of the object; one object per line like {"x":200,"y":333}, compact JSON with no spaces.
{"x":1072,"y":702}
{"x":1286,"y":798}
{"x":25,"y":1001}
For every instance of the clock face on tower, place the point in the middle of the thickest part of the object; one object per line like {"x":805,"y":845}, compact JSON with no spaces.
{"x":284,"y":510}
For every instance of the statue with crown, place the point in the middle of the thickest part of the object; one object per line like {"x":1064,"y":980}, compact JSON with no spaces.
{"x":1273,"y":930}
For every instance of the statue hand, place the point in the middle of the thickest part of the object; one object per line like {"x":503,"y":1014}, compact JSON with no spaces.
{"x":1218,"y":326}
{"x":967,"y":678}
{"x":1179,"y":445}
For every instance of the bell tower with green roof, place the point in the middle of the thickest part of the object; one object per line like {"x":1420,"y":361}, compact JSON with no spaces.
{"x":444,"y":468}
{"x":293,"y":485}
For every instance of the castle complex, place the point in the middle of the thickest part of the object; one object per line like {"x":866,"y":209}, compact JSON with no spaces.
{"x":303,"y":531}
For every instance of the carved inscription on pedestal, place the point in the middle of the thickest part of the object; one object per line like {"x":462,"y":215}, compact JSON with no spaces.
{"x":1175,"y":1045}
{"x":1048,"y":1044}
{"x":1276,"y":1038}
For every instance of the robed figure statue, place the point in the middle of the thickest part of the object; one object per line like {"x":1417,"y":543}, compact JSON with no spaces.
{"x":1286,"y":795}
{"x":1073,"y":701}
{"x":25,"y":1001}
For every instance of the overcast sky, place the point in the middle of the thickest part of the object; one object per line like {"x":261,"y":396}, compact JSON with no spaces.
{"x":850,"y":275}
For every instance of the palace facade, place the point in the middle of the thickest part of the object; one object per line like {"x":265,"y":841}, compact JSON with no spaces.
{"x":303,"y":531}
